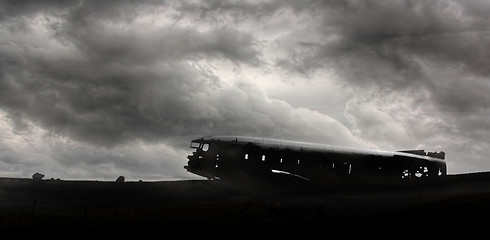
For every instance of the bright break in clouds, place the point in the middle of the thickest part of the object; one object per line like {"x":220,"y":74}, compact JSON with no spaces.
{"x":98,"y":89}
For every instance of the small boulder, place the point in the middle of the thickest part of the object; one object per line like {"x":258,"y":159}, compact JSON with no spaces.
{"x":37,"y":176}
{"x":120,"y":179}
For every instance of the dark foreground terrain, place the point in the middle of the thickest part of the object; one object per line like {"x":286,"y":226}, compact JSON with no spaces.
{"x":212,"y":205}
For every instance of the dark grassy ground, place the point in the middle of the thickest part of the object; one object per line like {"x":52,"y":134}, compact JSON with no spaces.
{"x":191,"y":205}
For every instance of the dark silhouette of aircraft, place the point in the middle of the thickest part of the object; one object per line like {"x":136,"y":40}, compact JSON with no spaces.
{"x":230,"y":157}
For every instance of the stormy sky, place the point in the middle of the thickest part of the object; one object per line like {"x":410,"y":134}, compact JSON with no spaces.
{"x":99,"y":89}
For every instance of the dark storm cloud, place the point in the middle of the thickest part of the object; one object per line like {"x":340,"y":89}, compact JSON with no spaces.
{"x":12,"y":8}
{"x":80,"y":9}
{"x":103,"y":84}
{"x":238,"y":10}
{"x":441,"y":48}
{"x":136,"y":46}
{"x":391,"y":44}
{"x":93,"y":73}
{"x":113,"y":72}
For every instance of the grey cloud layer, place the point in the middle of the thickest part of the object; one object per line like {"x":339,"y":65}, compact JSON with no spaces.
{"x":112,"y":72}
{"x":393,"y":44}
{"x":97,"y":78}
{"x":438,"y":48}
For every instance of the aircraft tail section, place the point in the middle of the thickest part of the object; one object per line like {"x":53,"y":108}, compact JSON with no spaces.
{"x":440,"y":155}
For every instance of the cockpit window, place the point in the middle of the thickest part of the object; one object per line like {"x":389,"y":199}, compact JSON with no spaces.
{"x":200,"y":146}
{"x":195,"y":145}
{"x":205,"y":147}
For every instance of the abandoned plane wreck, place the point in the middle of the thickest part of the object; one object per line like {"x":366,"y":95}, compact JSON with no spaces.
{"x":227,"y":157}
